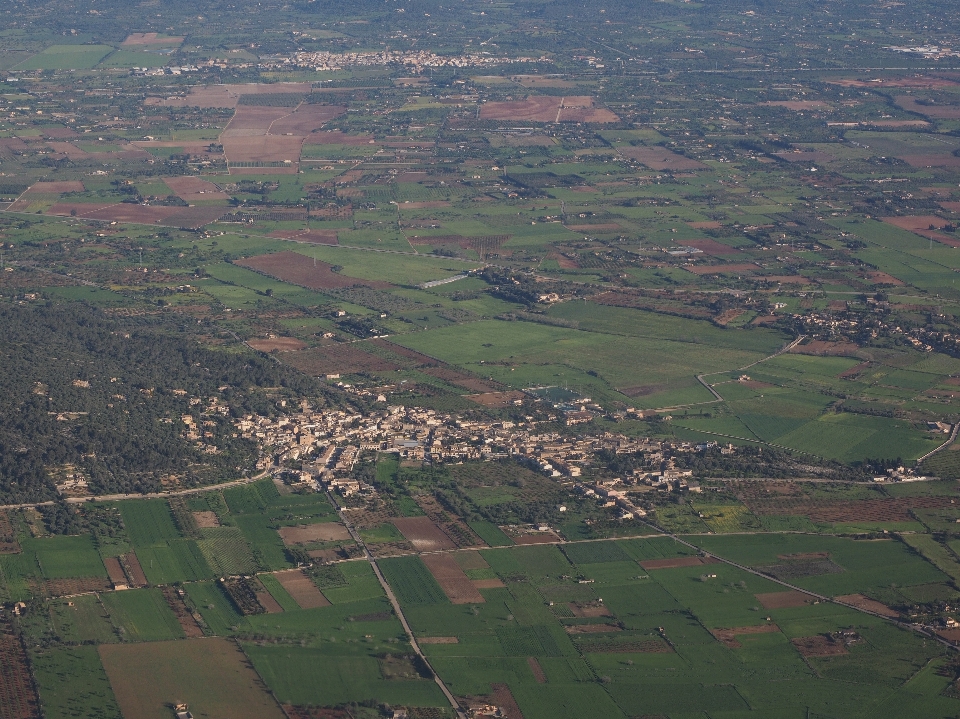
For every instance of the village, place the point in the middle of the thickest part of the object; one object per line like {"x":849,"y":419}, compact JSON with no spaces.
{"x":316,"y":450}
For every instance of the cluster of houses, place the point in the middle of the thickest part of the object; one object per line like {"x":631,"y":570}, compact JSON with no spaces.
{"x":324,"y":446}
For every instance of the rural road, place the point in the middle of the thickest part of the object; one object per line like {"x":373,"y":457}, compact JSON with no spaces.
{"x":396,"y":606}
{"x":926,"y":632}
{"x":950,"y":440}
{"x":149,"y":495}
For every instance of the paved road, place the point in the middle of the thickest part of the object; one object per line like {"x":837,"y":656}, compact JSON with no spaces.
{"x":149,"y":495}
{"x":396,"y":606}
{"x":950,"y":440}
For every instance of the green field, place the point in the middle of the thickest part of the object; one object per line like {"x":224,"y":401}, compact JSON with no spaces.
{"x":66,"y":57}
{"x":142,"y":615}
{"x":412,"y":581}
{"x":72,"y":683}
{"x":148,"y":522}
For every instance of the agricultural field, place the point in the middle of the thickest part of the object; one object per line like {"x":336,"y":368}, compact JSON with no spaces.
{"x":571,"y":360}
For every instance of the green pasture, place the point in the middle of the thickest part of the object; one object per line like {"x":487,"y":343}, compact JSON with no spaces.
{"x":313,"y":676}
{"x":66,"y":556}
{"x":72,"y":683}
{"x":66,"y":57}
{"x":142,"y":615}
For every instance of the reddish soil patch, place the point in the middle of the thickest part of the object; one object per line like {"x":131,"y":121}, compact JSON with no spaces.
{"x":262,"y":148}
{"x":935,"y":110}
{"x":672,"y":563}
{"x":861,"y":602}
{"x":191,"y":189}
{"x":435,"y":205}
{"x":303,"y":591}
{"x":591,"y":628}
{"x":132,"y":566}
{"x":58,"y":133}
{"x":280,"y":344}
{"x":337,"y":359}
{"x":538,"y":538}
{"x":600,"y":228}
{"x":918,"y":222}
{"x":455,"y":584}
{"x":67,"y":587}
{"x":336,"y":137}
{"x":711,"y":247}
{"x":76,"y":209}
{"x":952,"y":381}
{"x":115,"y":571}
{"x":799,"y":104}
{"x":186,"y":670}
{"x":951,"y":635}
{"x":18,"y":698}
{"x":659,"y":158}
{"x":951,"y":206}
{"x":420,"y":359}
{"x":812,"y":157}
{"x":588,"y":610}
{"x":783,"y":600}
{"x":184,"y":616}
{"x":534,"y":108}
{"x":882,"y":278}
{"x":778,"y":498}
{"x":56,"y":188}
{"x":315,"y":237}
{"x":821,"y":348}
{"x":502,"y":698}
{"x":188,"y":217}
{"x":307,"y":533}
{"x":818,"y":646}
{"x":722,"y":269}
{"x":462,"y":380}
{"x":253,"y":117}
{"x":854,"y":371}
{"x":206,"y":520}
{"x":226,"y":96}
{"x":271,"y":605}
{"x":537,"y":670}
{"x":149,"y":38}
{"x":944,"y":160}
{"x":423,"y":534}
{"x":728,"y":637}
{"x":306,"y":119}
{"x":724,"y":318}
{"x":543,"y":108}
{"x":926,"y":226}
{"x":438,"y":640}
{"x":488,"y":583}
{"x":705,"y":225}
{"x":756,"y":384}
{"x":299,"y":270}
{"x":496,"y":399}
{"x":597,"y":115}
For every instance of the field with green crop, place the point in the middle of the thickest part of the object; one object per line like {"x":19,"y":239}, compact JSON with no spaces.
{"x":66,"y":57}
{"x":72,"y":683}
